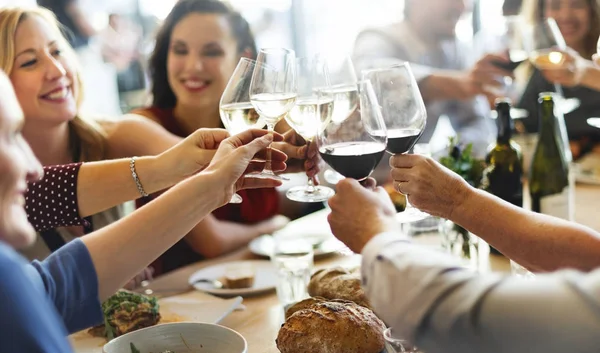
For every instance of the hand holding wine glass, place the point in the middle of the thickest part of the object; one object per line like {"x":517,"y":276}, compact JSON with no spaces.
{"x":404,"y":114}
{"x":273,"y":90}
{"x":237,"y":113}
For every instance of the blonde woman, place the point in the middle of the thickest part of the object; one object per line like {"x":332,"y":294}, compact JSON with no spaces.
{"x":42,"y":68}
{"x":44,"y":73}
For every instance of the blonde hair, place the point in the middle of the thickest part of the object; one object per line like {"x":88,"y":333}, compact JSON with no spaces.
{"x":533,"y":12}
{"x":91,"y":137}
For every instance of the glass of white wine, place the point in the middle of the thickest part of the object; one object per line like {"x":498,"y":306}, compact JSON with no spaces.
{"x":312,"y":112}
{"x":546,"y":48}
{"x":273,"y":92}
{"x":237,"y":113}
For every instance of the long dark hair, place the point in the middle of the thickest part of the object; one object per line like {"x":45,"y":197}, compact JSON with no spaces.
{"x":162,"y":94}
{"x":533,"y":10}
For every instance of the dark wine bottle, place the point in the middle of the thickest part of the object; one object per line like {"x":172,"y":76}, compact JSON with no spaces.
{"x":503,"y":175}
{"x":549,"y":173}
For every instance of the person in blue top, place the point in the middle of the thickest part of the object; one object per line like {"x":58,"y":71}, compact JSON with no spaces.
{"x":42,"y":302}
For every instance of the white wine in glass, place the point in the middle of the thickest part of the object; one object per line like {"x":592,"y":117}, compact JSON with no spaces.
{"x":311,"y":114}
{"x":236,"y":111}
{"x":273,"y":92}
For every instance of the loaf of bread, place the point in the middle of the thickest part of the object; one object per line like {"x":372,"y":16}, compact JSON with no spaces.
{"x":331,"y":327}
{"x":338,"y":283}
{"x":308,"y":302}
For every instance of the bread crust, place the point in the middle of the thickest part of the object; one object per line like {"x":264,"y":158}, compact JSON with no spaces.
{"x":338,"y":283}
{"x":331,"y":327}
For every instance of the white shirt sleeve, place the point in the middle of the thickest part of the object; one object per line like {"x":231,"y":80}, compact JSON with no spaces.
{"x":430,"y":300}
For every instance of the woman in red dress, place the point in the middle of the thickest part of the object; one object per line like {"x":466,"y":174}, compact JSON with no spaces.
{"x":197,"y":50}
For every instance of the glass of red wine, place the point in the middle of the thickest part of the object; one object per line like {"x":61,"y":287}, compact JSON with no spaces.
{"x":343,"y":89}
{"x":354,"y":146}
{"x":404,"y":114}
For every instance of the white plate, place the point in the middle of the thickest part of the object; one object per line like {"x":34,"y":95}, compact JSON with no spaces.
{"x":193,"y":306}
{"x":323,"y":244}
{"x":265,"y":278}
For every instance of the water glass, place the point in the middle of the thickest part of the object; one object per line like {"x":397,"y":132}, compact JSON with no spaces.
{"x":293,"y":261}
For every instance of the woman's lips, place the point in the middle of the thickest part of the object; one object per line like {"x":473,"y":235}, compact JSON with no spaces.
{"x":195,"y":85}
{"x":58,"y":95}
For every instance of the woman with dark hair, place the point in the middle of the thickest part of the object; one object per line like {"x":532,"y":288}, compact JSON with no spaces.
{"x":197,"y":50}
{"x":579,"y":23}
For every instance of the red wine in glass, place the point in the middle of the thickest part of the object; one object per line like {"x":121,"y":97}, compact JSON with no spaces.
{"x":402,"y":140}
{"x":355,"y":160}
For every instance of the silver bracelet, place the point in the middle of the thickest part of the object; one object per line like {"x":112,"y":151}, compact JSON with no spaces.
{"x":135,"y":177}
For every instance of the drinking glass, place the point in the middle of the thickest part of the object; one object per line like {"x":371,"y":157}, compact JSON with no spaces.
{"x":342,"y":77}
{"x":512,"y":42}
{"x":354,"y":146}
{"x":312,"y":112}
{"x":404,"y":114}
{"x":293,"y":260}
{"x":546,"y":44}
{"x":273,"y":92}
{"x":237,"y":113}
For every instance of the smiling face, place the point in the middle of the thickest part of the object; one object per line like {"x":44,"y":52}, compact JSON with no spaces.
{"x":42,"y":76}
{"x":17,"y":167}
{"x":201,"y":58}
{"x":573,"y":19}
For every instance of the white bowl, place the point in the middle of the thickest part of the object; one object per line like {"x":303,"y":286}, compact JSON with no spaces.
{"x":180,"y":337}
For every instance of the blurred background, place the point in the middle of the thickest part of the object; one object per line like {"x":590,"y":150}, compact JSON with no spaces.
{"x":308,"y":26}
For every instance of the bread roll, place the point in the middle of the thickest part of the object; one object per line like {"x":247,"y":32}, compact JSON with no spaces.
{"x":338,"y":283}
{"x":331,"y":327}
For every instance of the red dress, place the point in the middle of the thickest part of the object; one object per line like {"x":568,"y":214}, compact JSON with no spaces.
{"x":258,"y":204}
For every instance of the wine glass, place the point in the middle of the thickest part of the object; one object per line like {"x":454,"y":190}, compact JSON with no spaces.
{"x":511,"y":41}
{"x":312,"y":112}
{"x":237,"y":113}
{"x":546,"y":45}
{"x":404,"y":114}
{"x":354,"y":146}
{"x":273,"y":92}
{"x":343,"y":81}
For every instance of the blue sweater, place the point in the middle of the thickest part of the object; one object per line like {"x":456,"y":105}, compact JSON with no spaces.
{"x":42,"y":302}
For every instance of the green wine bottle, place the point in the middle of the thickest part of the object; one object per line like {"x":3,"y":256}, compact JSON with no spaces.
{"x":549,"y":173}
{"x":503,"y":175}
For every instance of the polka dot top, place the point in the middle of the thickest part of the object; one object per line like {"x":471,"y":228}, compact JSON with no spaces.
{"x":52,"y":201}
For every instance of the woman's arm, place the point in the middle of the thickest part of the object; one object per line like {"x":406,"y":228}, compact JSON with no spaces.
{"x":123,"y":249}
{"x":133,"y":135}
{"x":96,"y":186}
{"x":536,"y":241}
{"x":213,"y":237}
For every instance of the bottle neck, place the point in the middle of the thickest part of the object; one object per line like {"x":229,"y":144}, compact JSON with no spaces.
{"x":505,"y":126}
{"x":547,"y":119}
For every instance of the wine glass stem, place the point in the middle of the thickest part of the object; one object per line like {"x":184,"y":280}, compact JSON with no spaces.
{"x":268,"y":168}
{"x":310,"y":186}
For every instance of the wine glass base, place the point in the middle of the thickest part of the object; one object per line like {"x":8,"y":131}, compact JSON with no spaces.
{"x":236,"y":198}
{"x":410,"y":215}
{"x":302,"y":194}
{"x":266,"y":175}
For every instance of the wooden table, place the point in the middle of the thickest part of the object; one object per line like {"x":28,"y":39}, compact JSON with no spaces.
{"x":260,"y":321}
